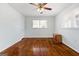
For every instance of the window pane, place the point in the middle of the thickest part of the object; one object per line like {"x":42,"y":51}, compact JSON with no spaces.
{"x":35,"y":23}
{"x":43,"y":23}
{"x":77,"y":23}
{"x":67,"y":24}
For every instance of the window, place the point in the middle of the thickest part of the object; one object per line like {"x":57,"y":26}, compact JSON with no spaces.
{"x":72,"y":23}
{"x":39,"y":23}
{"x":77,"y":20}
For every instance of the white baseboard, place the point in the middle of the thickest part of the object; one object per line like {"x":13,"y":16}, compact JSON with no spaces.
{"x":71,"y":47}
{"x":37,"y":37}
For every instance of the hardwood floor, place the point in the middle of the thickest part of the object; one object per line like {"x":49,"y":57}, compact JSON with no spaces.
{"x":39,"y":47}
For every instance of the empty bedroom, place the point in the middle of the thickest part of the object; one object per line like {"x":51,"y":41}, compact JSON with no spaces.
{"x":39,"y":29}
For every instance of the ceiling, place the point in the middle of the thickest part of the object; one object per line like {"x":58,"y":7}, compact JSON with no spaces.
{"x":29,"y":10}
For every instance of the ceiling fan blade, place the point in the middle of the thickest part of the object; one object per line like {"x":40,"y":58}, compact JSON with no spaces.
{"x":33,"y":4}
{"x":44,"y":4}
{"x":47,"y":8}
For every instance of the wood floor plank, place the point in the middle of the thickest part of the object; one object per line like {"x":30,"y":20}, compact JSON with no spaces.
{"x":39,"y":47}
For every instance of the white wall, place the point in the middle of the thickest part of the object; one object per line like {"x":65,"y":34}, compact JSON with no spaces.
{"x":11,"y":26}
{"x":70,"y":35}
{"x":30,"y":32}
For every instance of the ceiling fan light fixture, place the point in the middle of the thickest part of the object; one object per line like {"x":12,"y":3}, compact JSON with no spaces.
{"x":40,"y":10}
